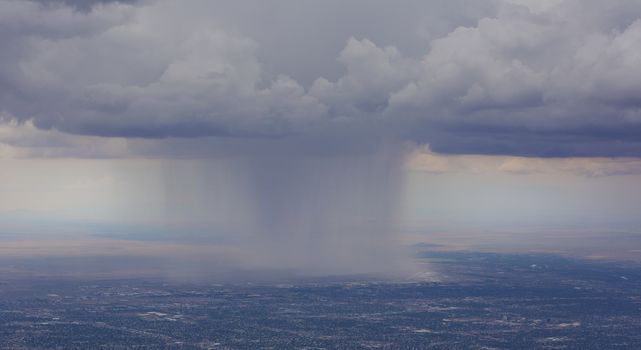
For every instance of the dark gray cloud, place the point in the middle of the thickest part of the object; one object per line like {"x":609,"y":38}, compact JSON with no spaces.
{"x":82,"y":5}
{"x":546,"y":78}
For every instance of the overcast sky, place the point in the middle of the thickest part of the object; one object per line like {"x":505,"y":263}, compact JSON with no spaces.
{"x":546,"y":78}
{"x":206,"y":113}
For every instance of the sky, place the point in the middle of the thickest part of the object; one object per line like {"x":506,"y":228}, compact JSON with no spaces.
{"x":320,"y":135}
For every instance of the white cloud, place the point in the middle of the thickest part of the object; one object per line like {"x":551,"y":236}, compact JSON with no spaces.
{"x":23,"y":140}
{"x":372,"y":74}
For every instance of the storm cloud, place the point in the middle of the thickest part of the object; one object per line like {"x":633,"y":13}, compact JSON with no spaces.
{"x":557,"y":78}
{"x":282,"y":128}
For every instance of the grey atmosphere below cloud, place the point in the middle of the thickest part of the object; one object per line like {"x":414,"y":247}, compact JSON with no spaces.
{"x":301,"y":113}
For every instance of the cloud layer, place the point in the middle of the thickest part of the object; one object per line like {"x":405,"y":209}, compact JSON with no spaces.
{"x":553,"y":78}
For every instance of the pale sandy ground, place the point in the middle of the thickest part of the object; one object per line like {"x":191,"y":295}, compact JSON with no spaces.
{"x":99,"y":257}
{"x":607,"y":244}
{"x":107,"y":258}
